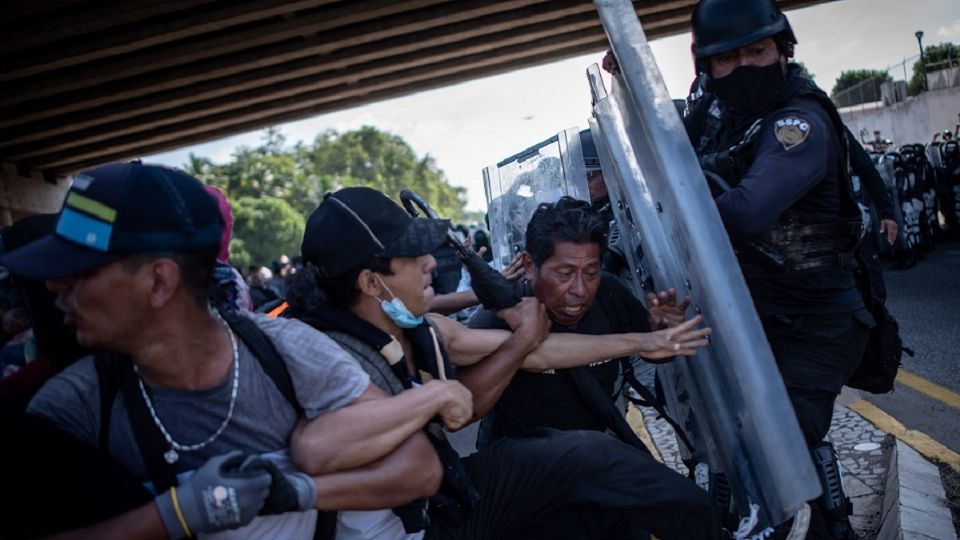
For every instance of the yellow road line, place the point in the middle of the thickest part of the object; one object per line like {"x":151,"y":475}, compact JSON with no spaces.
{"x":635,"y":420}
{"x":921,"y":442}
{"x":933,"y":390}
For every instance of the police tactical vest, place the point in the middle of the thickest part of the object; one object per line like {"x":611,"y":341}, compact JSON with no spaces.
{"x":798,"y":242}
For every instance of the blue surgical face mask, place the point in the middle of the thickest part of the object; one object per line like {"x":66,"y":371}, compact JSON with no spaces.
{"x":397,"y":310}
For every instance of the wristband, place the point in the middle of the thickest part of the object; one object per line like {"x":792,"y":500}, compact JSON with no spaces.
{"x":176,"y":509}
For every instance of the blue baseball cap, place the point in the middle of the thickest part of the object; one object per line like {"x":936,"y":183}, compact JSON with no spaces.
{"x":117,"y":210}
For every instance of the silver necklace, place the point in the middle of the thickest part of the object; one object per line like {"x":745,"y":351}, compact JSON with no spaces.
{"x":173,"y":454}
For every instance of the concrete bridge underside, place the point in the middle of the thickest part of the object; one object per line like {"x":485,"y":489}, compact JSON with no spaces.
{"x":88,"y":82}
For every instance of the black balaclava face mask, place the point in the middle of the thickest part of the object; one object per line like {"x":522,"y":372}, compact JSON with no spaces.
{"x":748,"y":89}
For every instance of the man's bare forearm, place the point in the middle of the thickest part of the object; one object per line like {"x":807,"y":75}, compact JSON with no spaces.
{"x":560,"y":351}
{"x":410,"y":472}
{"x":366,"y":430}
{"x":449,"y":303}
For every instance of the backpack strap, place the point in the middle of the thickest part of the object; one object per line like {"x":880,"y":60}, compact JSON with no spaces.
{"x":108,"y":378}
{"x":266,"y":354}
{"x":648,"y":399}
{"x":115,"y":373}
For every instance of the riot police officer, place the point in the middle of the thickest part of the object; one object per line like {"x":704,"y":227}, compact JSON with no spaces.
{"x":775,"y":148}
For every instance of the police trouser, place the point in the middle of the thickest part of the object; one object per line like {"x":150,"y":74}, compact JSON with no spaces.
{"x":578,"y":485}
{"x":816,"y":354}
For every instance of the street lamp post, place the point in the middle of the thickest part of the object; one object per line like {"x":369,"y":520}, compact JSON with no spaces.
{"x":923,"y":60}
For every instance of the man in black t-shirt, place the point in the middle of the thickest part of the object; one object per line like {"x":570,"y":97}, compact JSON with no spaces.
{"x":563,"y":263}
{"x":563,"y":259}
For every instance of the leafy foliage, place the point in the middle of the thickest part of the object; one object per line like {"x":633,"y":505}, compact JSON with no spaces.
{"x":263,"y":229}
{"x":937,"y":57}
{"x":853,"y":77}
{"x":274,"y":187}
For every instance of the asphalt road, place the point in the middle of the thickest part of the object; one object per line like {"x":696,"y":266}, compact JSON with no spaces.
{"x":926,"y":302}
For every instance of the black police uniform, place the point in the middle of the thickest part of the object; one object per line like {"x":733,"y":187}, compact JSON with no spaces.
{"x":791,"y":198}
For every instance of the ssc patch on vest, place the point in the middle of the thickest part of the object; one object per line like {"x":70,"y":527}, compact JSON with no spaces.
{"x":791,"y":132}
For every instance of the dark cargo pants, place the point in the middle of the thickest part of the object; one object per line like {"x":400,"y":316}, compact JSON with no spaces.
{"x":578,"y":485}
{"x":816,"y":354}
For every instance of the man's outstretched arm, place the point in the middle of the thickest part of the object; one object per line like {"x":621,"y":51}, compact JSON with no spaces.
{"x":468,"y":346}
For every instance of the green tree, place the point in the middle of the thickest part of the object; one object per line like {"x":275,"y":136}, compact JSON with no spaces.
{"x":372,"y":158}
{"x":264,"y":229}
{"x":853,"y":77}
{"x":937,"y":57}
{"x":273,"y":187}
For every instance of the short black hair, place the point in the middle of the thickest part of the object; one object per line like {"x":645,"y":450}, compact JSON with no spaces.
{"x":567,"y":220}
{"x":307,"y":288}
{"x":196,"y":269}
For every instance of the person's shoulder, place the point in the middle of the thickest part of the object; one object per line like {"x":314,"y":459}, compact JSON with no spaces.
{"x":71,"y":399}
{"x":283,"y":330}
{"x":797,"y":124}
{"x":802,"y":107}
{"x":81,"y":375}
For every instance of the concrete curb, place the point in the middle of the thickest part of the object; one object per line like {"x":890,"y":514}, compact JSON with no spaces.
{"x":914,"y":505}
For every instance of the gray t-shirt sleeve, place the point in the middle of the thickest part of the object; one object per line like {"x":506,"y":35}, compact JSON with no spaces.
{"x":71,"y":401}
{"x":325,"y":377}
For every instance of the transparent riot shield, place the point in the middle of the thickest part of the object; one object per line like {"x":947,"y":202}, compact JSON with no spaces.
{"x":933,"y":155}
{"x":515,"y":186}
{"x":736,"y":405}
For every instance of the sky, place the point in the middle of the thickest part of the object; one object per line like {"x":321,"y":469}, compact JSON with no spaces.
{"x":471,"y":125}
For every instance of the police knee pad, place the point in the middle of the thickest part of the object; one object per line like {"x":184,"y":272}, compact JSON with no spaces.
{"x":834,"y":502}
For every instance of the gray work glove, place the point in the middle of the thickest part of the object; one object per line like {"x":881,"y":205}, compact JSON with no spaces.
{"x":219,"y":495}
{"x":295,"y":492}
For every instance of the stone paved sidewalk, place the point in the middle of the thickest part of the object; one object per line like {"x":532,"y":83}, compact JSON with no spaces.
{"x":863,"y":451}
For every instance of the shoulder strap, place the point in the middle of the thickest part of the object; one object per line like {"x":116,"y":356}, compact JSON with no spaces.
{"x":648,"y":399}
{"x":266,"y":354}
{"x":108,"y":378}
{"x":370,"y":361}
{"x":115,"y":375}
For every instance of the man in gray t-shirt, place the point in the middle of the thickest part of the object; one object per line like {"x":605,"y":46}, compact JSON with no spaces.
{"x":131,"y":262}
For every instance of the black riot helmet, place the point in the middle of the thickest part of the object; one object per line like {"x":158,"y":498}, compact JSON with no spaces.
{"x":724,"y":25}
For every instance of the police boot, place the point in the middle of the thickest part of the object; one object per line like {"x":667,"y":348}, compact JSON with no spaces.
{"x":834,"y":503}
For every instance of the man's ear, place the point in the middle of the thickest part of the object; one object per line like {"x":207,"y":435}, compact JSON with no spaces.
{"x":528,"y":266}
{"x":164,"y":279}
{"x":369,"y":284}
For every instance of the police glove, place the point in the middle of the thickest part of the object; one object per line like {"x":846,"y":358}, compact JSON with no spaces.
{"x":733,"y":163}
{"x":218,"y":496}
{"x":295,"y":492}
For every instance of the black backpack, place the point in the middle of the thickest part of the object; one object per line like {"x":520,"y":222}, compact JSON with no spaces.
{"x":882,"y":357}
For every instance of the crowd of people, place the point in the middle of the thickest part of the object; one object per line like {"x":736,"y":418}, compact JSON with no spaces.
{"x":150,"y":400}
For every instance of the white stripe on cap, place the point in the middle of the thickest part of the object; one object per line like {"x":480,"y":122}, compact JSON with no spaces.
{"x":359,"y":220}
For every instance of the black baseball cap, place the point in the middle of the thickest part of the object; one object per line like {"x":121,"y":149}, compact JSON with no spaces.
{"x":355,"y":224}
{"x":121,"y":209}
